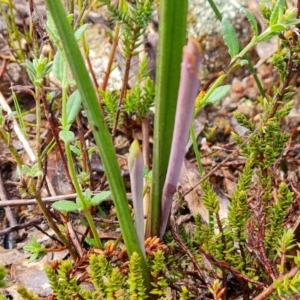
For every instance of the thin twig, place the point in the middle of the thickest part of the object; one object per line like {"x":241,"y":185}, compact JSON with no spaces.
{"x":270,"y":289}
{"x":111,"y":57}
{"x":54,"y":129}
{"x":220,"y":164}
{"x":174,"y":230}
{"x":86,"y":163}
{"x":225,"y":265}
{"x":8,"y":213}
{"x":22,"y":139}
{"x":21,"y":226}
{"x":46,"y":200}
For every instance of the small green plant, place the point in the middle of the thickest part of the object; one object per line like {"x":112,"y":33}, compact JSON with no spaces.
{"x":25,"y":294}
{"x":37,"y":250}
{"x":2,"y":275}
{"x":252,"y":240}
{"x":108,"y":279}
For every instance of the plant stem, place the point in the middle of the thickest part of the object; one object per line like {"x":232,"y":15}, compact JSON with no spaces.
{"x":172,"y":33}
{"x":100,"y":131}
{"x":188,"y":89}
{"x":202,"y":102}
{"x":85,"y":209}
{"x":38,"y":136}
{"x":49,"y":218}
{"x":251,"y":68}
{"x":196,"y":150}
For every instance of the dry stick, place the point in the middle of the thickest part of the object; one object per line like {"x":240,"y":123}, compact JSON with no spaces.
{"x":72,"y":235}
{"x":49,"y":218}
{"x":224,"y":265}
{"x":219,"y":165}
{"x":3,"y":67}
{"x":8,"y":213}
{"x":21,"y":226}
{"x":22,"y":139}
{"x":111,"y":56}
{"x":31,"y":185}
{"x":174,"y":230}
{"x":54,"y":127}
{"x":34,"y":28}
{"x":91,"y":70}
{"x":86,"y":163}
{"x":263,"y":258}
{"x":269,"y":290}
{"x":46,"y":200}
{"x":124,"y":87}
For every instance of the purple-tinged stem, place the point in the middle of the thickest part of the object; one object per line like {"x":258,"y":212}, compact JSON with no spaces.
{"x":188,"y":90}
{"x":135,"y":166}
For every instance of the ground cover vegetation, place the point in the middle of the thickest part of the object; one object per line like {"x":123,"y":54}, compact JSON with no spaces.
{"x":249,"y":253}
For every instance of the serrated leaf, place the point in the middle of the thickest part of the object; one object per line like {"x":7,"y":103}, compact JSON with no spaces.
{"x":73,"y":106}
{"x":66,"y":136}
{"x":58,"y":66}
{"x":30,"y":70}
{"x":51,"y":28}
{"x":277,"y":12}
{"x":80,"y":31}
{"x":291,"y":23}
{"x":65,"y":206}
{"x":218,"y":94}
{"x":230,"y":38}
{"x":47,"y":69}
{"x":50,"y":24}
{"x":277,"y":28}
{"x":252,"y":21}
{"x":99,"y":198}
{"x":267,"y":37}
